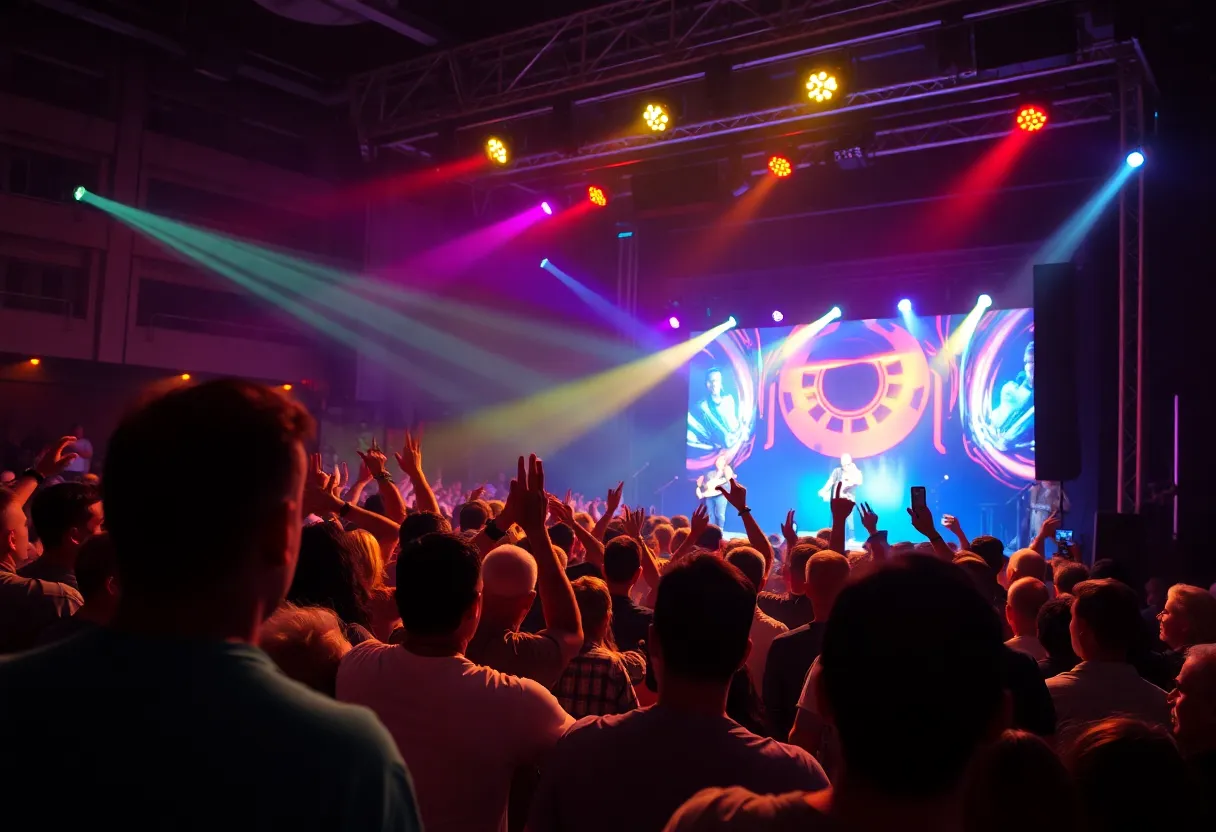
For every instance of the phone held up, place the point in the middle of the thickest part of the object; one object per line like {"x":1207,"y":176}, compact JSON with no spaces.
{"x":918,"y":497}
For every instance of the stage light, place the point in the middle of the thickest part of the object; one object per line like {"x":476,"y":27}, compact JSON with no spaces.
{"x":544,"y":264}
{"x":597,"y":196}
{"x":1031,"y":119}
{"x":79,"y":193}
{"x":673,"y":322}
{"x":777,"y":316}
{"x":834,"y":313}
{"x":1135,"y":159}
{"x":544,"y":206}
{"x":821,"y":86}
{"x":780,"y":166}
{"x":731,"y":321}
{"x":984,"y":301}
{"x":496,"y":150}
{"x":656,"y":117}
{"x":184,"y":376}
{"x":34,"y":362}
{"x":286,"y":388}
{"x":905,"y":307}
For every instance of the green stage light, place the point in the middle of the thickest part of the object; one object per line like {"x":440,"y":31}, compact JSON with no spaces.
{"x":79,"y":193}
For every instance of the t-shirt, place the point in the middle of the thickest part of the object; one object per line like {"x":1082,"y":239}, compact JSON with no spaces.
{"x":534,"y":621}
{"x":28,"y":606}
{"x":532,"y":656}
{"x":652,"y":760}
{"x":791,"y":610}
{"x":47,"y":570}
{"x":1033,"y":710}
{"x":463,"y":729}
{"x":1093,"y":691}
{"x":197,"y":735}
{"x":736,"y":808}
{"x":785,"y":671}
{"x":1029,"y":645}
{"x":764,"y":630}
{"x":80,"y":465}
{"x":630,"y":622}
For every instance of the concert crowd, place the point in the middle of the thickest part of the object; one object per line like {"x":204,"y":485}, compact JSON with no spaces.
{"x":270,"y":645}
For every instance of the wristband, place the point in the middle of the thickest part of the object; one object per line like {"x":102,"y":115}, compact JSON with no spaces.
{"x":383,"y":476}
{"x":30,"y":472}
{"x":745,"y":510}
{"x":492,"y":531}
{"x":342,"y":512}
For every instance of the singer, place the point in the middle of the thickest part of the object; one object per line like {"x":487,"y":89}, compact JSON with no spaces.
{"x":707,"y":490}
{"x":849,"y":477}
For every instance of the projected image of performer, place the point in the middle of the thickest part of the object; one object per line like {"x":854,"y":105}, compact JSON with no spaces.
{"x":1011,"y":422}
{"x":715,"y":421}
{"x":1044,"y":498}
{"x":707,"y":490}
{"x":849,"y":477}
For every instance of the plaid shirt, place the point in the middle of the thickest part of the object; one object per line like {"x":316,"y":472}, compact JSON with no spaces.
{"x":595,"y":683}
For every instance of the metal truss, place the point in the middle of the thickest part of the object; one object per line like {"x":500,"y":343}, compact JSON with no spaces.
{"x":1130,"y":465}
{"x":629,"y":39}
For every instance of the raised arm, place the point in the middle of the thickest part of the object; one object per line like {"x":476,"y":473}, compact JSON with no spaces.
{"x":877,"y":539}
{"x":1048,"y":532}
{"x":410,"y":460}
{"x":841,"y":508}
{"x":635,"y":521}
{"x":51,"y":462}
{"x":614,"y":502}
{"x":697,"y":524}
{"x":319,"y":499}
{"x":789,"y":531}
{"x":737,"y":497}
{"x":356,"y":490}
{"x":563,"y":622}
{"x":951,"y":522}
{"x":922,"y":521}
{"x":593,"y":545}
{"x":394,"y":503}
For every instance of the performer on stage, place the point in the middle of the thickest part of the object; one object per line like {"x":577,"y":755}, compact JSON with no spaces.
{"x":1045,"y":498}
{"x":1011,"y":422}
{"x":717,"y":422}
{"x":707,"y":490}
{"x":848,"y":475}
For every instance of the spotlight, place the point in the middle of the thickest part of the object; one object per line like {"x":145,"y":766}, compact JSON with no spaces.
{"x":184,"y":376}
{"x":1135,"y":159}
{"x":79,"y":193}
{"x":286,"y":388}
{"x":780,"y":166}
{"x":731,"y":321}
{"x":673,"y":322}
{"x":656,"y":117}
{"x":742,"y":189}
{"x":544,"y":206}
{"x":777,"y":316}
{"x":597,"y":196}
{"x":544,"y":264}
{"x":1031,"y":119}
{"x":984,"y":301}
{"x":496,"y":150}
{"x":821,"y":86}
{"x":835,"y":313}
{"x":905,"y":307}
{"x":34,"y":362}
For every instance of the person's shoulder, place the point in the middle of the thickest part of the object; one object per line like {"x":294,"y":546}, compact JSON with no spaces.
{"x":771,"y":623}
{"x":735,"y":807}
{"x":592,"y":729}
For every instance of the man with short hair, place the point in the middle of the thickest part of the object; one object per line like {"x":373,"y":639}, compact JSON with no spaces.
{"x":1067,"y":575}
{"x":1193,"y":711}
{"x":662,"y":755}
{"x":1026,"y":597}
{"x":96,"y":574}
{"x":764,"y":629}
{"x":65,"y":516}
{"x":1105,"y":626}
{"x":463,"y":729}
{"x":1027,"y":563}
{"x":174,"y":695}
{"x":622,"y":569}
{"x":473,"y":515}
{"x":792,"y":608}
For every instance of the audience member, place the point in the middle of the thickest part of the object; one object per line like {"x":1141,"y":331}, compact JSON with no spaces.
{"x":1105,"y":625}
{"x":1019,"y":784}
{"x":1193,"y":711}
{"x":623,"y":569}
{"x":664,"y":534}
{"x":173,"y":695}
{"x":462,"y":728}
{"x":1052,"y":626}
{"x":473,"y":515}
{"x":1067,"y":575}
{"x":1130,"y":777}
{"x":382,"y":606}
{"x":699,"y":639}
{"x":1026,"y":563}
{"x":764,"y":629}
{"x":1026,"y":597}
{"x":330,"y":574}
{"x":792,"y":608}
{"x":596,"y":682}
{"x":65,"y":516}
{"x":97,"y":577}
{"x":307,"y":643}
{"x":907,"y":747}
{"x":1188,"y":618}
{"x":82,"y":456}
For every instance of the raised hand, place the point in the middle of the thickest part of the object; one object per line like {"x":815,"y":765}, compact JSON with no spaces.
{"x":561,"y":511}
{"x":737,"y":496}
{"x":476,"y":493}
{"x":1050,"y":526}
{"x":789,"y":529}
{"x":410,"y":458}
{"x":634,"y":521}
{"x":53,"y":459}
{"x":527,"y":497}
{"x":365,"y":475}
{"x":339,"y":480}
{"x":922,"y":521}
{"x":614,"y":499}
{"x":318,"y":496}
{"x":841,"y":507}
{"x":698,"y":523}
{"x":374,"y":459}
{"x":951,"y":522}
{"x":869,"y":520}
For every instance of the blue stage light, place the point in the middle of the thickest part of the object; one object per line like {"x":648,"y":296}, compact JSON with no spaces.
{"x":673,"y":322}
{"x":835,"y":312}
{"x":544,"y":264}
{"x":984,"y":301}
{"x":905,"y":307}
{"x":1135,"y":159}
{"x":731,"y":321}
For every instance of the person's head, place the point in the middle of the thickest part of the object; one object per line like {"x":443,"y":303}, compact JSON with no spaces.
{"x":1155,"y":589}
{"x":720,"y":462}
{"x":96,"y":576}
{"x":371,"y":559}
{"x":846,"y":460}
{"x":702,"y":622}
{"x":1114,"y":570}
{"x":508,"y":585}
{"x":977,"y":572}
{"x":991,"y":550}
{"x":795,"y":564}
{"x":916,"y":618}
{"x":622,"y":563}
{"x":331,"y":574}
{"x":826,"y":574}
{"x":584,"y":519}
{"x":1068,"y":574}
{"x":1130,"y":775}
{"x":1027,"y":563}
{"x":419,"y":523}
{"x":1019,"y":784}
{"x":1028,"y":362}
{"x":14,"y":528}
{"x":1052,"y":628}
{"x":439,"y":589}
{"x":244,"y":550}
{"x":663,"y":535}
{"x":1189,"y":617}
{"x":307,"y":643}
{"x":595,"y":607}
{"x":474,"y":515}
{"x":713,"y":381}
{"x":8,"y":477}
{"x":563,"y":536}
{"x":1105,"y":620}
{"x":750,"y":563}
{"x":711,"y":538}
{"x":677,"y":539}
{"x":1193,"y":701}
{"x":1026,"y":597}
{"x":496,"y":507}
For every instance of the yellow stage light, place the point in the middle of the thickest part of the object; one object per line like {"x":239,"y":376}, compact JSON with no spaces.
{"x":821,"y":86}
{"x":184,"y":376}
{"x":34,"y":362}
{"x":286,"y":388}
{"x":496,"y":150}
{"x":656,"y":117}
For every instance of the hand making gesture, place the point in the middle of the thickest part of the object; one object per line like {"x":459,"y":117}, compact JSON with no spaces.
{"x":634,"y":522}
{"x":527,"y":497}
{"x":841,"y":507}
{"x":789,"y":530}
{"x":374,"y":459}
{"x":410,"y":458}
{"x":736,"y":496}
{"x":869,"y":520}
{"x":614,"y":499}
{"x":53,"y":461}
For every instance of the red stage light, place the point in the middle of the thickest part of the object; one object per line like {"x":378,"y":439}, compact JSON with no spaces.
{"x":1031,"y":119}
{"x":780,"y":166}
{"x":597,"y":196}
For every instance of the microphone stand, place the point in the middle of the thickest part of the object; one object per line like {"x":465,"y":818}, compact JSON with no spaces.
{"x":662,"y":492}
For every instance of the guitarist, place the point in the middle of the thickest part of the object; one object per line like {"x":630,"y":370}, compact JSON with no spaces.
{"x":707,"y":490}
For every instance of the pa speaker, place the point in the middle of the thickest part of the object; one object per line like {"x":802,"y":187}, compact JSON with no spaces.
{"x":1057,"y":432}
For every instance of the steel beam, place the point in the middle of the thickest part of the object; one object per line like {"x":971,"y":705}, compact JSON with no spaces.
{"x":1130,"y":464}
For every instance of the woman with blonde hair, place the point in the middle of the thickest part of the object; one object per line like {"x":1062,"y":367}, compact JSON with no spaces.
{"x":383,"y":603}
{"x":596,"y":682}
{"x":1188,"y":618}
{"x":307,"y":643}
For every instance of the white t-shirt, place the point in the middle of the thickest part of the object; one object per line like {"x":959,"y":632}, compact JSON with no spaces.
{"x":80,"y":465}
{"x":1029,"y":645}
{"x":765,"y":628}
{"x":463,"y":729}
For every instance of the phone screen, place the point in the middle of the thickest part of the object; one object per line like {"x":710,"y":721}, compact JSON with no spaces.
{"x":918,"y":497}
{"x":1064,"y":537}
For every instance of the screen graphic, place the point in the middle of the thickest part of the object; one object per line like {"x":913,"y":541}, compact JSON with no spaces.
{"x":880,"y":405}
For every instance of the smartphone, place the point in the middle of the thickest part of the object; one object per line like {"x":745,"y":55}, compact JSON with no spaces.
{"x":1063,"y":538}
{"x":918,"y":497}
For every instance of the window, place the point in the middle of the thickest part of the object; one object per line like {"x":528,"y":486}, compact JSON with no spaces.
{"x":166,"y":305}
{"x":43,"y":287}
{"x":43,"y":175}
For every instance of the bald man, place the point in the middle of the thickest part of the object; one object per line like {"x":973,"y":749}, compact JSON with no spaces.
{"x":1193,"y":713}
{"x":1027,"y":563}
{"x":1026,"y":597}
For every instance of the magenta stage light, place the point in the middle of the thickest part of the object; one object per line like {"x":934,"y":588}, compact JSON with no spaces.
{"x":544,"y":206}
{"x":673,"y":322}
